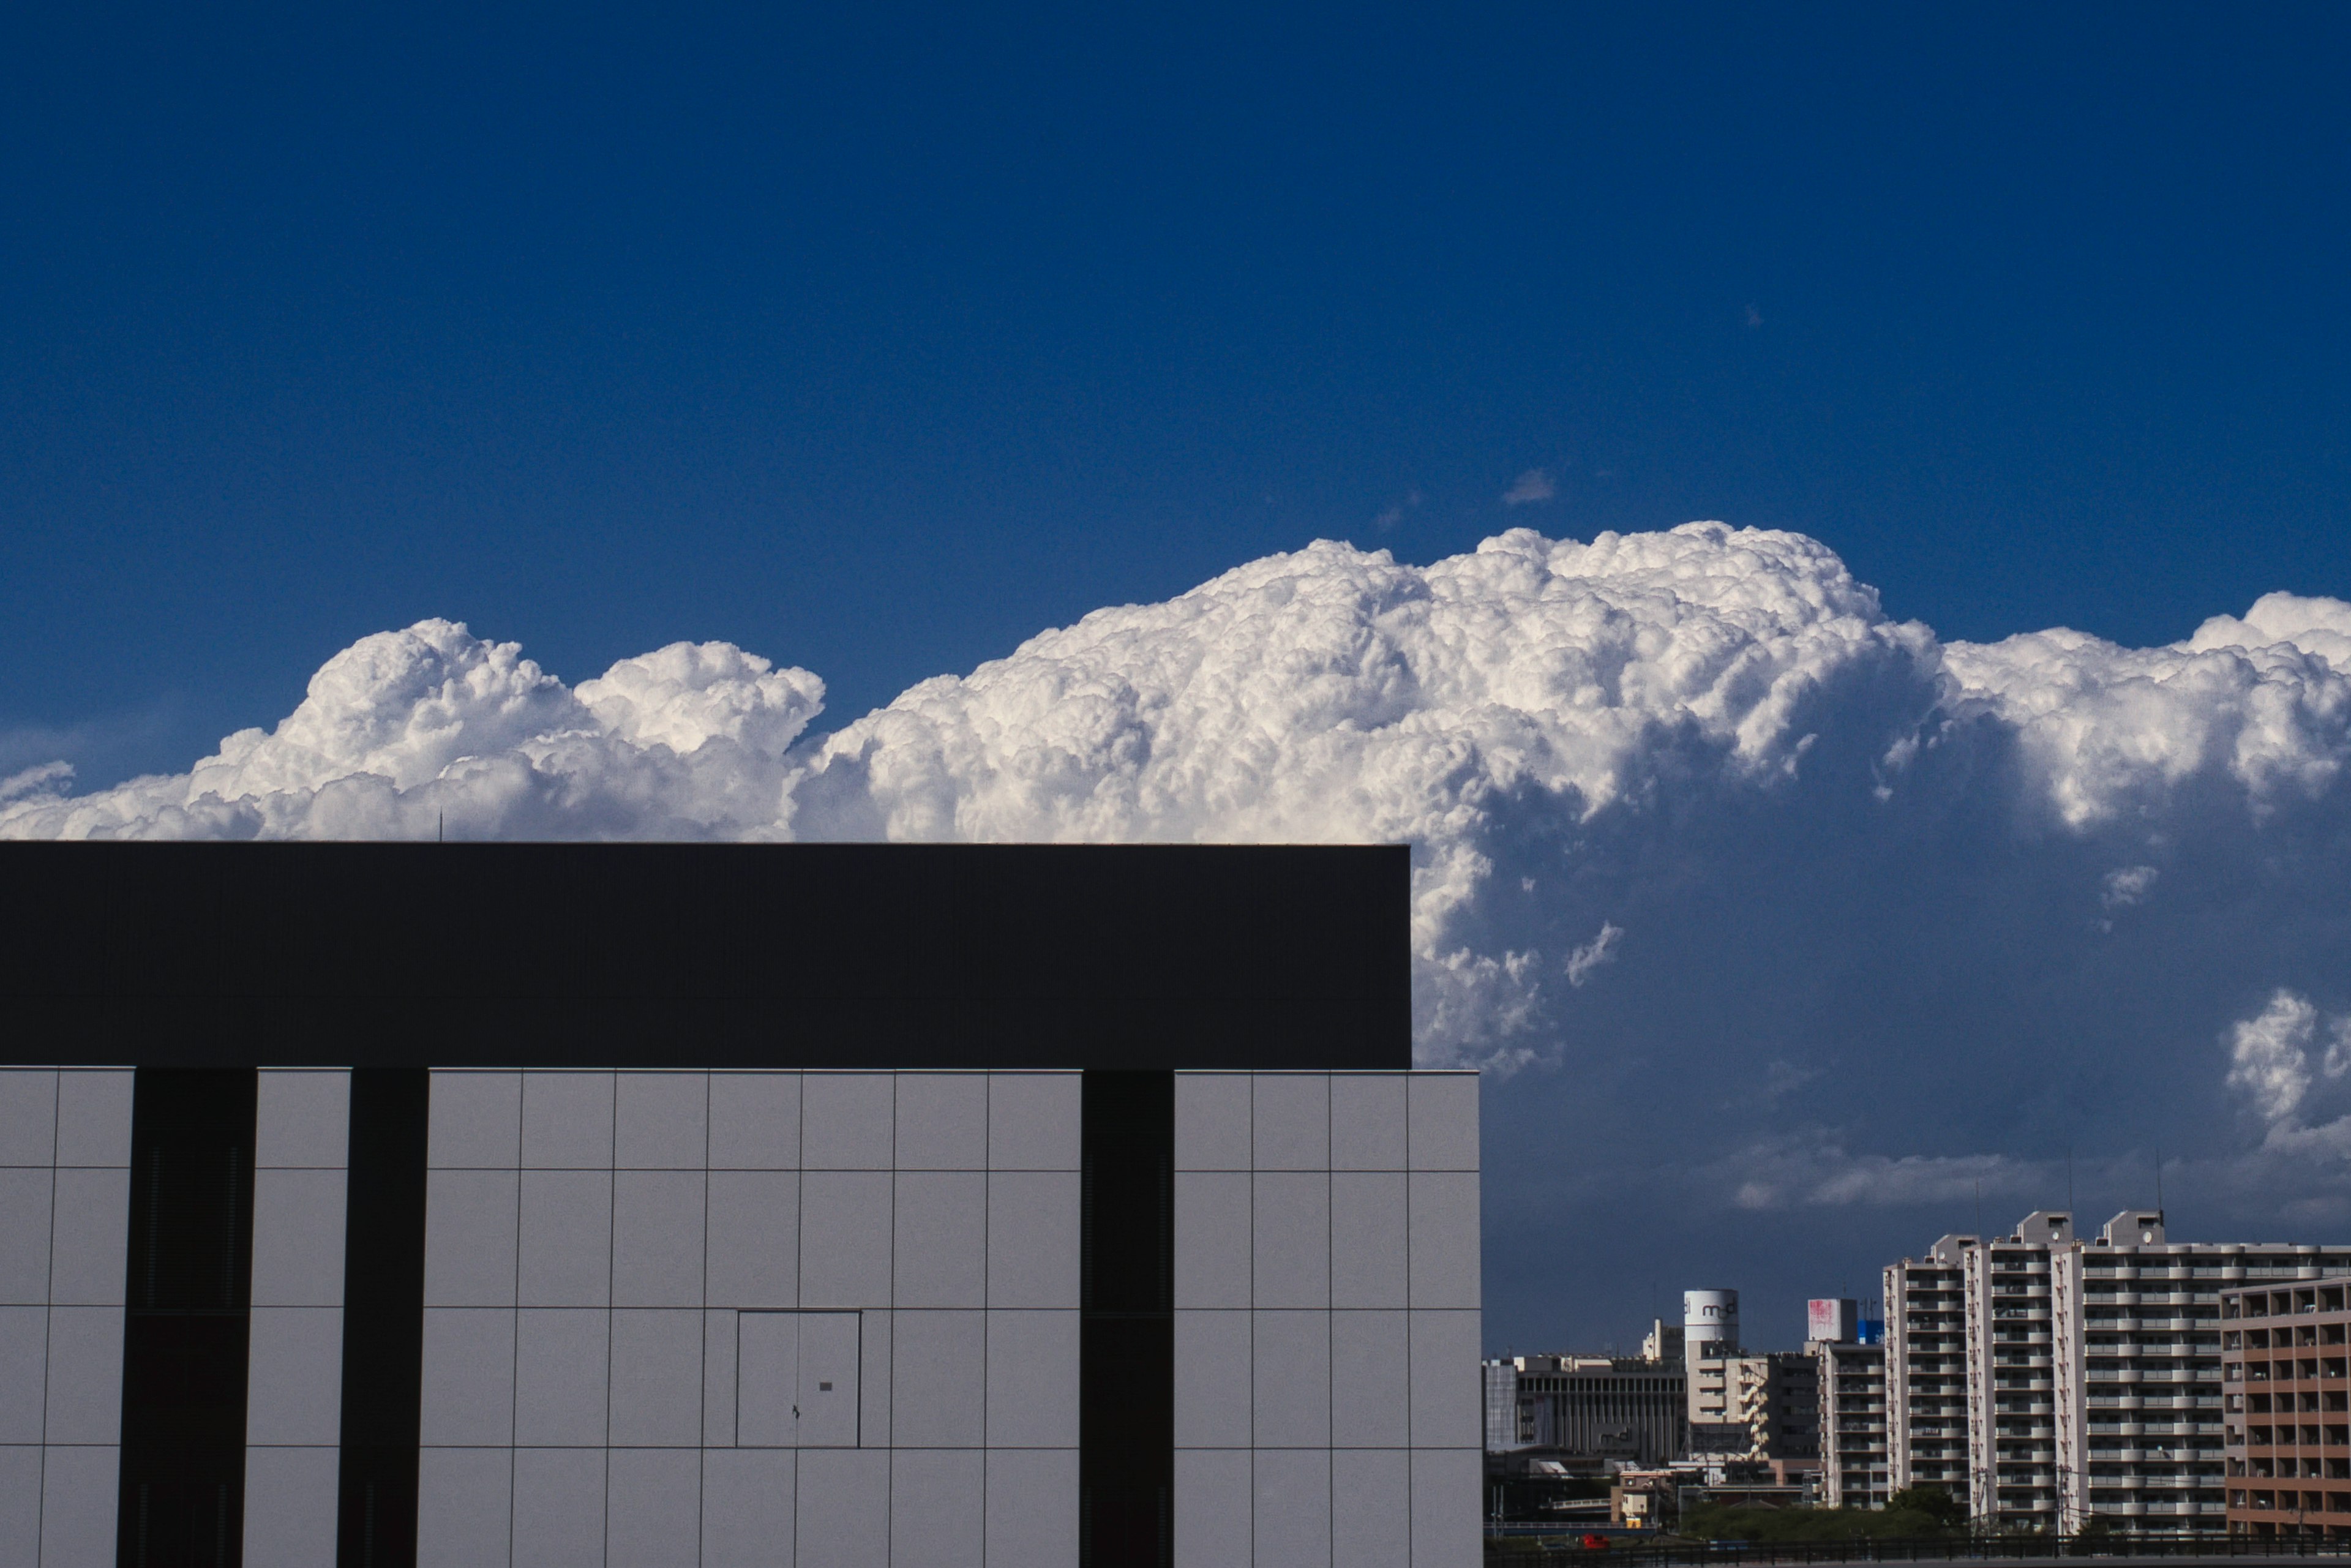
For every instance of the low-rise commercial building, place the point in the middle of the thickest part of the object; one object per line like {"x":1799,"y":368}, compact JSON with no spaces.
{"x":1616,"y":1408}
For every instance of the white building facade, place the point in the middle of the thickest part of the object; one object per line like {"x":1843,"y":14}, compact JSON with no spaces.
{"x":1206,"y":1293}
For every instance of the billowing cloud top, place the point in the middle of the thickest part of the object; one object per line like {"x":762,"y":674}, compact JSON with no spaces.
{"x":1695,"y":821}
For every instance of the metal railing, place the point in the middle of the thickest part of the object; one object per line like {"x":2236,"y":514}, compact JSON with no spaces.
{"x":1550,"y":1551}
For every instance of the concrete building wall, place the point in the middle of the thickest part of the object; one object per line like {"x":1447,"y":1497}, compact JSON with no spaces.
{"x":1327,"y":1320}
{"x":717,"y":1318}
{"x":65,"y":1184}
{"x":750,"y":1317}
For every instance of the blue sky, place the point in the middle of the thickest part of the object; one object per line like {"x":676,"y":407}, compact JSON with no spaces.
{"x":877,"y":343}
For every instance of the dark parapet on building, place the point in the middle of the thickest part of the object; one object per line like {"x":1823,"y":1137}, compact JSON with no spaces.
{"x":630,"y":955}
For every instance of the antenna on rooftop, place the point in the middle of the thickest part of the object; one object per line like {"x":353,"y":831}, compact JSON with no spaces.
{"x":2069,"y":1182}
{"x":440,"y":826}
{"x":2159,"y":1185}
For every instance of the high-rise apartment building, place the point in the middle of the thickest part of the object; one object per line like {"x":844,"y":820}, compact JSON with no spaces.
{"x":1853,"y":1468}
{"x":2045,"y":1379}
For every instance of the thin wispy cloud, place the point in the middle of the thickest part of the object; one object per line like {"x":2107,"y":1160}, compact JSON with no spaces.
{"x":1532,"y":486}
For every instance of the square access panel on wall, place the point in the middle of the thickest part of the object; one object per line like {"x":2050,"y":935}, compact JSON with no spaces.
{"x":796,"y":1380}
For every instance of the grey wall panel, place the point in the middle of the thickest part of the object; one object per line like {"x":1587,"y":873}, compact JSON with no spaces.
{"x":1290,"y":1379}
{"x":562,"y":1359}
{"x":1214,"y":1507}
{"x":1032,"y":1379}
{"x":26,"y":1197}
{"x":1033,"y":1221}
{"x":1371,"y":1380}
{"x":1032,"y":1506}
{"x":476,"y":1121}
{"x":747,"y":1508}
{"x":94,"y":1117}
{"x":88,"y":1237}
{"x":942,"y":1121}
{"x":298,"y":1237}
{"x":877,"y":1343}
{"x":84,"y":1403}
{"x":1212,"y":1121}
{"x":940,"y":1240}
{"x":767,"y":1374}
{"x":656,"y":1378}
{"x":845,"y":1238}
{"x":939,"y":1372}
{"x":754,"y":1238}
{"x":79,"y":1490}
{"x":1371,"y":1508}
{"x":1290,"y":1243}
{"x":289,"y":1506}
{"x":657,"y":1243}
{"x":1445,"y":1389}
{"x":661,"y":1120}
{"x":1443,"y":1216}
{"x":1368,"y":1237}
{"x":469,"y":1238}
{"x":23,"y":1372}
{"x":825,"y":1390}
{"x":1212,"y":1238}
{"x":294,"y":1379}
{"x":559,"y":1507}
{"x":1212,"y":1379}
{"x":1443,"y":1121}
{"x":847,"y":1121}
{"x":565,"y":1240}
{"x":1446,"y":1507}
{"x":302,"y":1119}
{"x":719,"y":1345}
{"x":937,"y":1508}
{"x":1289,"y":1122}
{"x":1033,"y":1121}
{"x":29,"y":1117}
{"x":567,"y":1121}
{"x":464,"y":1508}
{"x":841,"y":1518}
{"x":1367,"y":1120}
{"x":754,"y":1121}
{"x":1293,"y":1516}
{"x":654,"y":1509}
{"x":20,"y":1500}
{"x":468,"y":1385}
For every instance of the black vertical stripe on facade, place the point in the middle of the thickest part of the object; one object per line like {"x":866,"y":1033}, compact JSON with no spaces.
{"x":1126,"y":1435}
{"x":383,"y":1319}
{"x":188,"y":1319}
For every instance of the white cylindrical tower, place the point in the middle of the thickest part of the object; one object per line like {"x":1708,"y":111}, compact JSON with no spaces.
{"x":1709,"y":1317}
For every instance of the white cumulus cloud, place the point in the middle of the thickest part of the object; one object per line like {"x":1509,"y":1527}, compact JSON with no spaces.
{"x":1843,"y":841}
